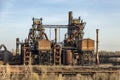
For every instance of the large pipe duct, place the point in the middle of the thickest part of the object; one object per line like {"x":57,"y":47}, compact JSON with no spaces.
{"x":97,"y":44}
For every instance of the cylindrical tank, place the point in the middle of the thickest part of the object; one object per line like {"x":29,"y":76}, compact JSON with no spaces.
{"x":68,"y":57}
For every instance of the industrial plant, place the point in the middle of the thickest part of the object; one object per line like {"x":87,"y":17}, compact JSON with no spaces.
{"x":73,"y":56}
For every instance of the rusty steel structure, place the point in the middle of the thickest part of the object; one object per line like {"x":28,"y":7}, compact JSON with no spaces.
{"x":74,"y":56}
{"x":74,"y":50}
{"x":39,"y":50}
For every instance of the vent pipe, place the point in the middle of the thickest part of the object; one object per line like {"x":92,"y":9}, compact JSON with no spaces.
{"x":97,"y":45}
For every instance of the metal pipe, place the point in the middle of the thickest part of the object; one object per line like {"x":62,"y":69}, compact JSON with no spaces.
{"x":17,"y":45}
{"x":56,"y":35}
{"x":97,"y":44}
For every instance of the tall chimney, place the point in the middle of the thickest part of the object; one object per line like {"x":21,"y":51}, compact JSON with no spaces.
{"x":70,"y":18}
{"x":97,"y":41}
{"x":56,"y":35}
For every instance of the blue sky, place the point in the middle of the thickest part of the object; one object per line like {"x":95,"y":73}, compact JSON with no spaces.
{"x":16,"y":18}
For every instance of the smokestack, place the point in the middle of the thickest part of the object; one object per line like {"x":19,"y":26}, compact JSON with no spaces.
{"x":70,"y":18}
{"x":97,"y":41}
{"x":17,"y":45}
{"x":56,"y":35}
